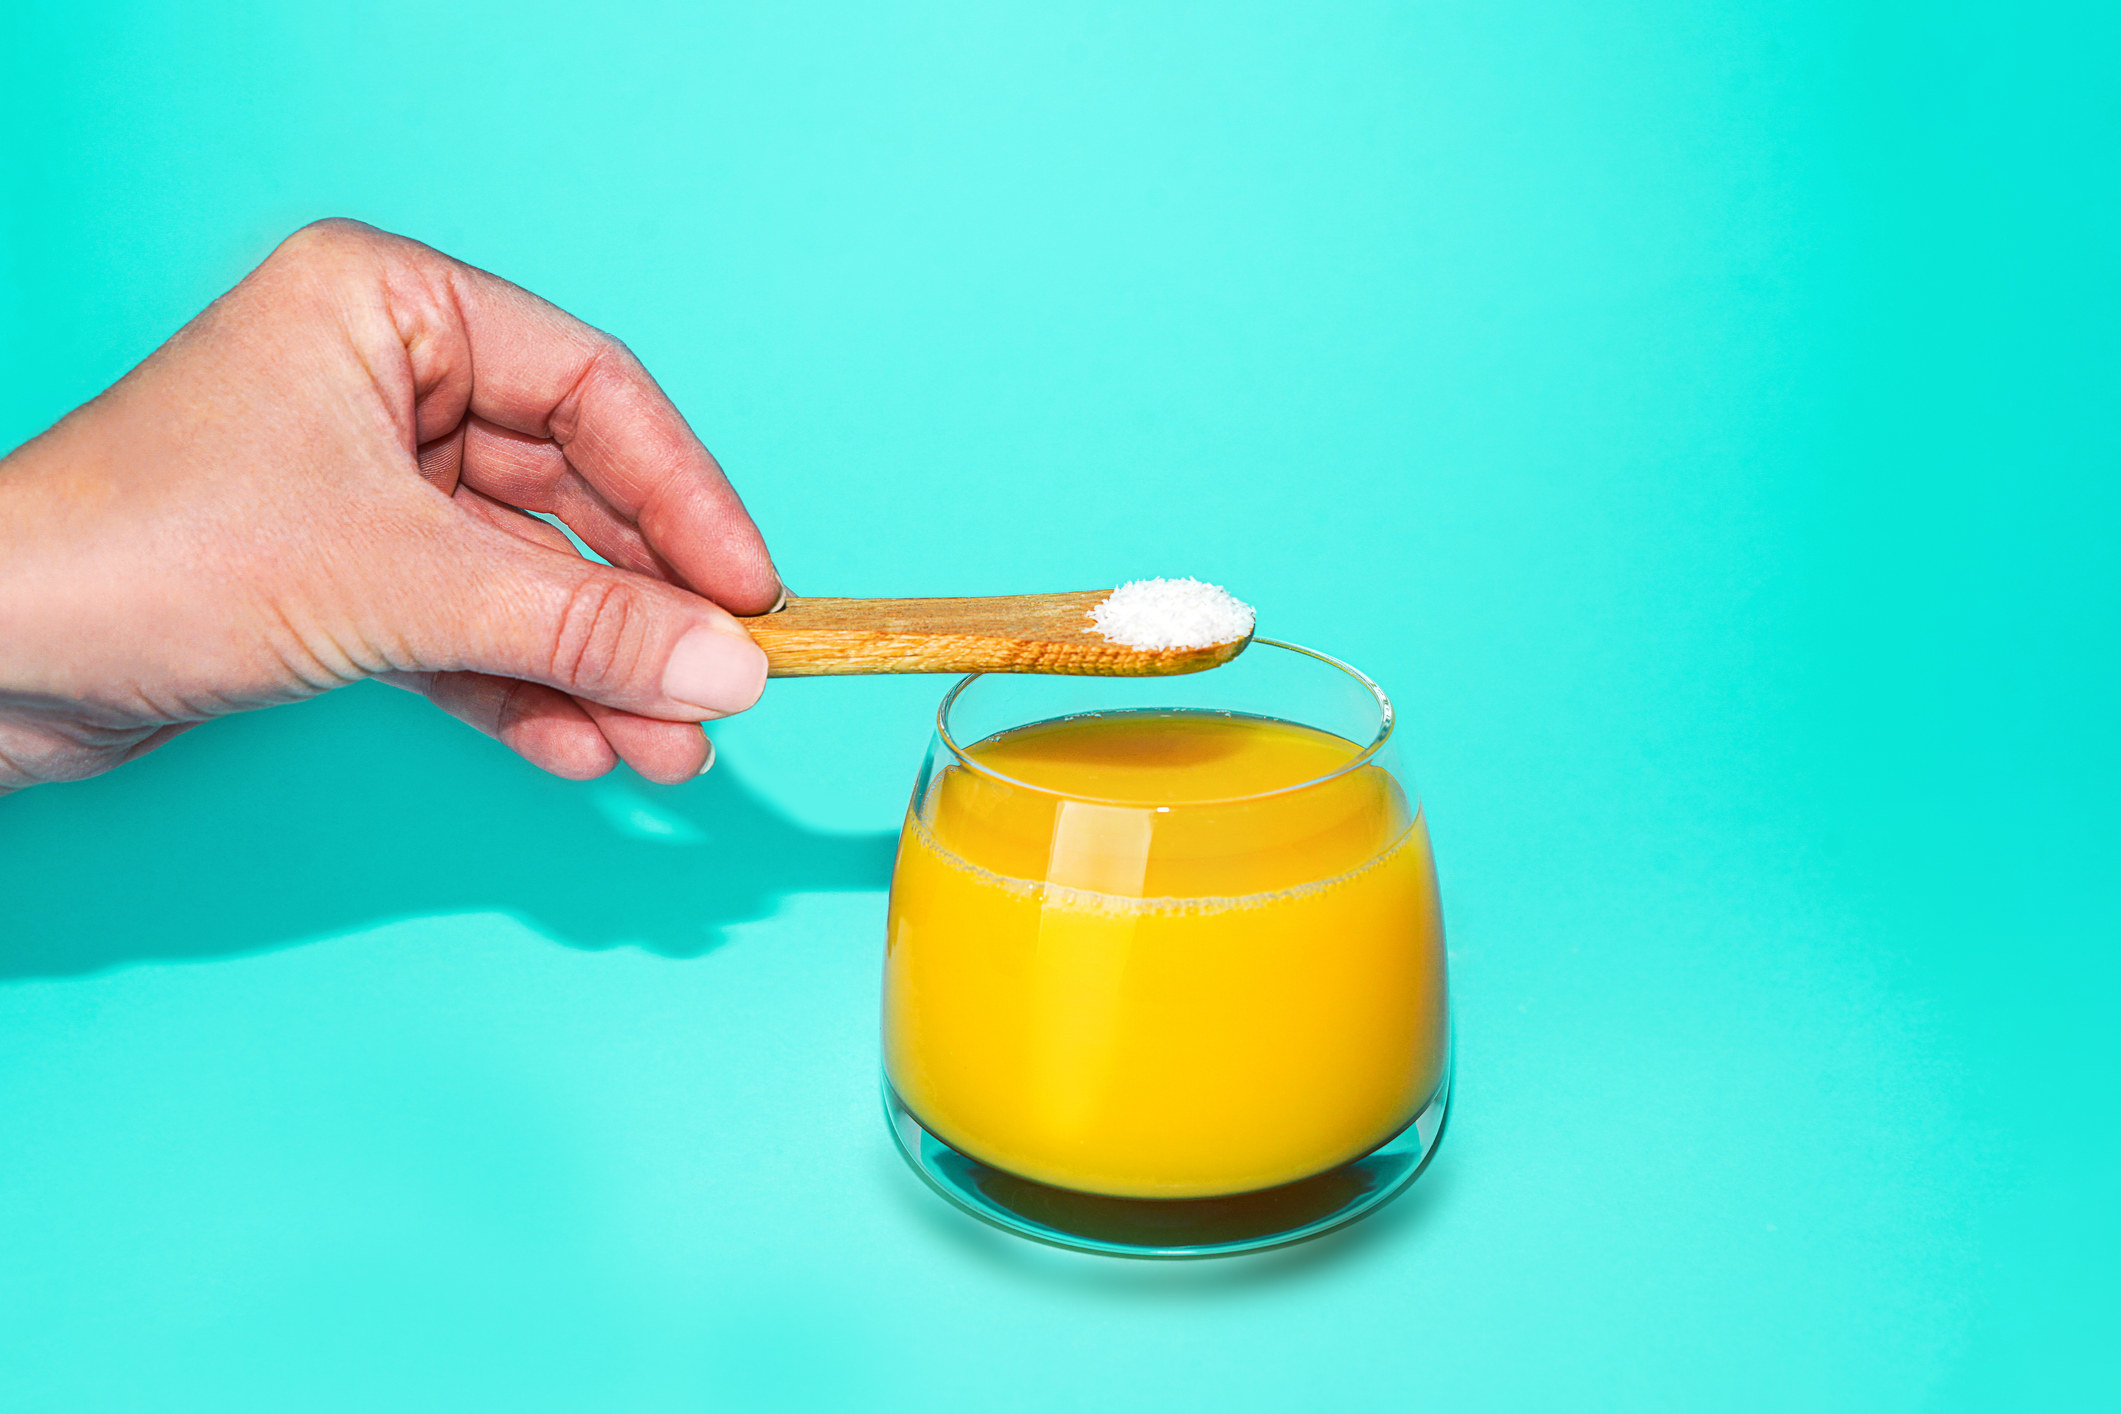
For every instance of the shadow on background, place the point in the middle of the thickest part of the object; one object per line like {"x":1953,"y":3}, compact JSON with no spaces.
{"x":368,"y":805}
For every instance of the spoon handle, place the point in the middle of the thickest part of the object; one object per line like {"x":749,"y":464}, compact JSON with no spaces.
{"x":1008,"y":633}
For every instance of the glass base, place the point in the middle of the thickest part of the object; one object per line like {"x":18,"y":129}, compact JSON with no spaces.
{"x":1173,"y":1227}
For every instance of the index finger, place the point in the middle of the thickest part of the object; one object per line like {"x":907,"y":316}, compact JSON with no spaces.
{"x":536,"y":370}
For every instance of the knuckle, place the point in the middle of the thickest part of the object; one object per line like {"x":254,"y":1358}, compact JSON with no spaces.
{"x":611,"y":351}
{"x":511,"y":710}
{"x":327,"y":242}
{"x":600,"y":634}
{"x":607,"y":367}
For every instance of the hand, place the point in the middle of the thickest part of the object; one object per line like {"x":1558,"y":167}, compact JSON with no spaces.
{"x":324,"y":477}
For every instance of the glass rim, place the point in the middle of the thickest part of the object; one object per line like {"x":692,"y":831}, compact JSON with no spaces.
{"x":1360,"y":759}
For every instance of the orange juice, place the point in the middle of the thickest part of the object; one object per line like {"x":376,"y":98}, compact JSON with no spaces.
{"x":1136,"y":954}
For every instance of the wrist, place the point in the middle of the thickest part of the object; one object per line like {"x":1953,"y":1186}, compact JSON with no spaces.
{"x":52,"y":489}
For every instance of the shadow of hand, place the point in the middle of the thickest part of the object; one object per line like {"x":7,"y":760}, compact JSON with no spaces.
{"x":366,"y":805}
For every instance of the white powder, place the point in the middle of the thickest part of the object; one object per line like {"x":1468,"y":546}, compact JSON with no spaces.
{"x":1172,"y":613}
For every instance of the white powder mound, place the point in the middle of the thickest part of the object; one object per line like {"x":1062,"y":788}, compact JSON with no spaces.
{"x":1172,"y":613}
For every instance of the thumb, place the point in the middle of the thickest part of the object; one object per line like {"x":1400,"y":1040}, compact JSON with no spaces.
{"x":622,"y":639}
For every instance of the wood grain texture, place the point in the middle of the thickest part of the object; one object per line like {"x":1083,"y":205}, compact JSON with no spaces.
{"x":1012,"y":633}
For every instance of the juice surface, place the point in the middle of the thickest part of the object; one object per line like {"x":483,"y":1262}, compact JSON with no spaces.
{"x":1170,"y":969}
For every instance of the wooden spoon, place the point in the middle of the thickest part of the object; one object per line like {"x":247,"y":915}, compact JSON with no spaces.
{"x":1010,"y":633}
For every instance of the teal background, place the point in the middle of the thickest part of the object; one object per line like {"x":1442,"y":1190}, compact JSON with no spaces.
{"x":1701,"y":417}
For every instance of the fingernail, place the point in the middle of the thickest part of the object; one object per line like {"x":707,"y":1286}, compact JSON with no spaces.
{"x":708,"y":764}
{"x":715,"y":671}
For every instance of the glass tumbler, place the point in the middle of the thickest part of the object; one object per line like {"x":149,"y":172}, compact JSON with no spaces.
{"x":1176,"y":990}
